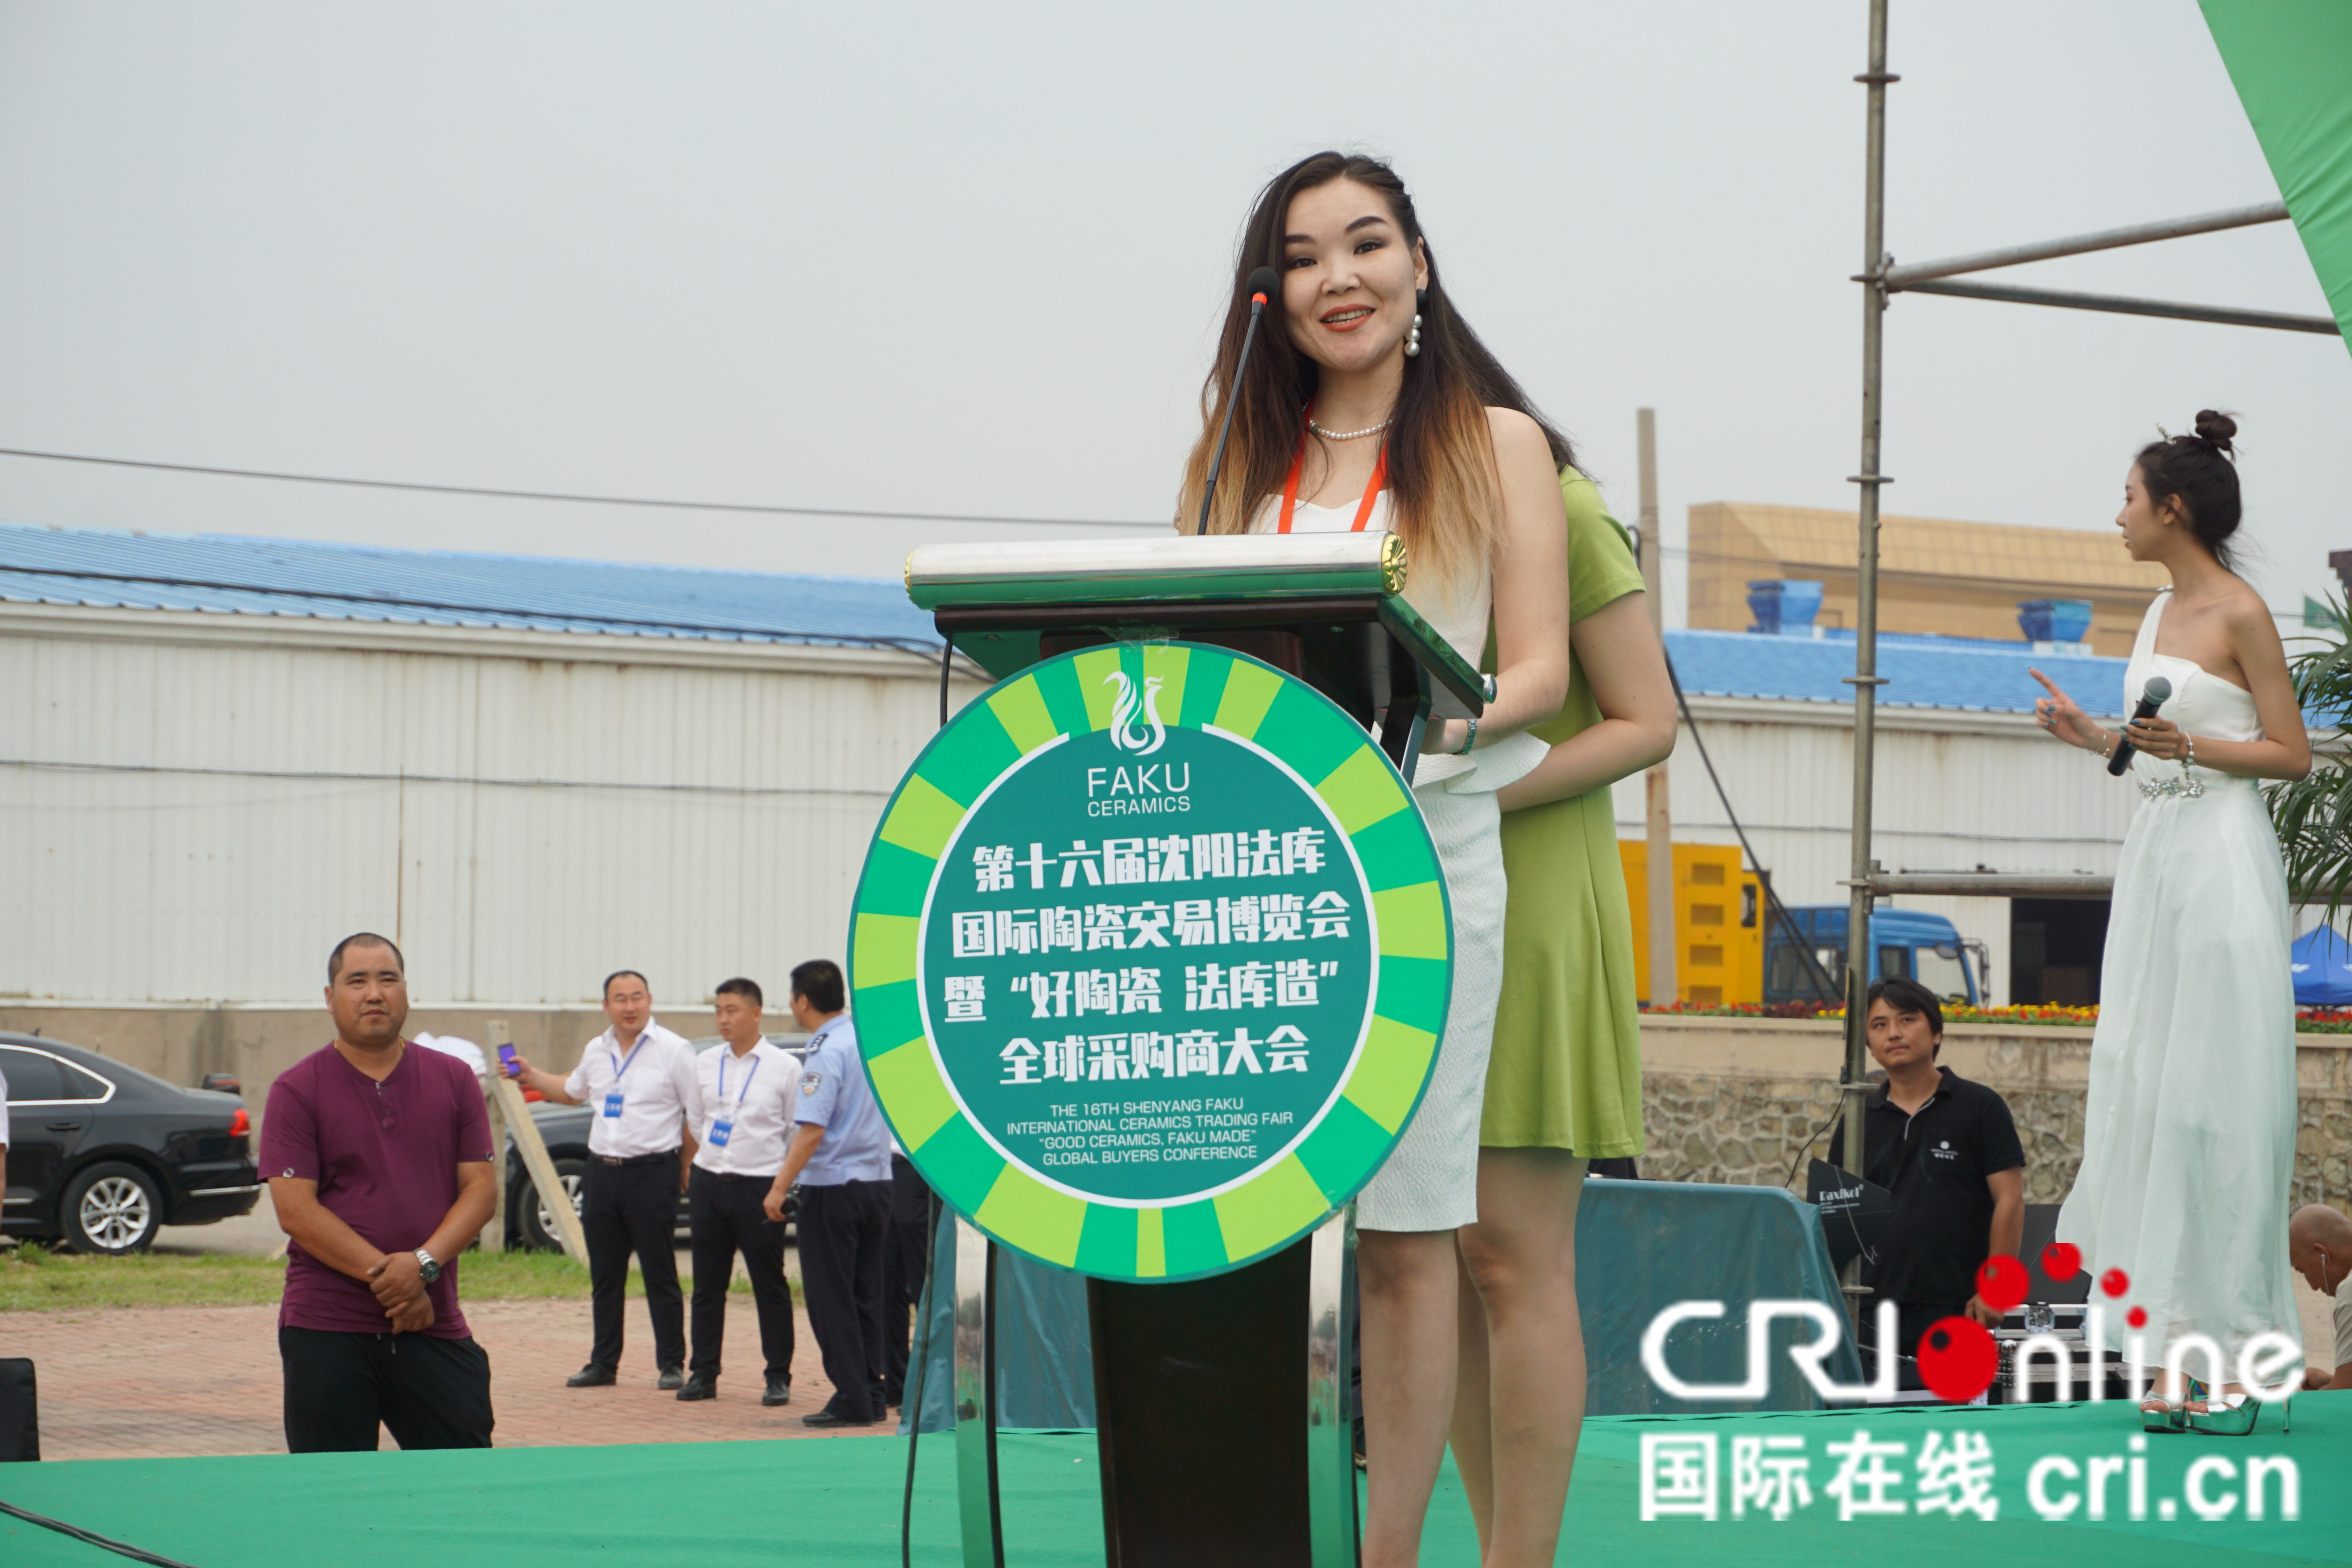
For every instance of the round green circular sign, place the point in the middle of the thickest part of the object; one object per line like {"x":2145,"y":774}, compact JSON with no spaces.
{"x":1149,"y":960}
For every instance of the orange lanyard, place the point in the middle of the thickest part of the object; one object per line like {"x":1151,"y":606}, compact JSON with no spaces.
{"x":1371,"y":490}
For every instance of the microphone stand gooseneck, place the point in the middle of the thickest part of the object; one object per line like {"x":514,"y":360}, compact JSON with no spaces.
{"x":1262,"y":283}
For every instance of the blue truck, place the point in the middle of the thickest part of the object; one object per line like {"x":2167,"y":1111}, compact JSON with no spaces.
{"x":1907,"y":942}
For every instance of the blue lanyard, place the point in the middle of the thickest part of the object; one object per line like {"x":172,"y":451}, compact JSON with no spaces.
{"x":620,"y":1067}
{"x":748,"y":1076}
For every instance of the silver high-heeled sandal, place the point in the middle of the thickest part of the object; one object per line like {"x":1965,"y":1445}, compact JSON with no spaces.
{"x":2233,"y":1416}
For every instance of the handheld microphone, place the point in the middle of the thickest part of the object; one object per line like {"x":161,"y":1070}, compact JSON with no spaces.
{"x":1264,"y":284}
{"x":2152,"y":697}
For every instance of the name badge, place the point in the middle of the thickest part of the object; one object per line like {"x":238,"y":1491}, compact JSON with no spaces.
{"x":719,"y":1132}
{"x":612,"y":1104}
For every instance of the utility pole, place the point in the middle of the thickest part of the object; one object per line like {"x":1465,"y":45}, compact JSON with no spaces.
{"x":1866,"y":677}
{"x":1659,"y":855}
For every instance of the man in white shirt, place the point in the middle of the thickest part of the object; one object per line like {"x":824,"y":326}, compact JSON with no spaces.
{"x":2319,"y":1246}
{"x":638,"y":1079}
{"x":748,"y":1086}
{"x":451,"y":1045}
{"x":840,"y":1155}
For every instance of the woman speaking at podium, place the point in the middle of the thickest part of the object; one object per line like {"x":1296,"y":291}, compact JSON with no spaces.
{"x":1372,"y":405}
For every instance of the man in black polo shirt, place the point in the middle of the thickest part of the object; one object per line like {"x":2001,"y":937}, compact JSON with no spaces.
{"x":1947,"y":1152}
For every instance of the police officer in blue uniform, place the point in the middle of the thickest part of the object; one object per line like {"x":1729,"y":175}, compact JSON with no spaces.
{"x":840,"y":1156}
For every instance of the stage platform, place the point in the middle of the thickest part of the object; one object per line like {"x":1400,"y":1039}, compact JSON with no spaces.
{"x":835,"y":1502}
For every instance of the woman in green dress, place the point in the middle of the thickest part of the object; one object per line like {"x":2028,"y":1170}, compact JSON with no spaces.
{"x":1564,"y":1083}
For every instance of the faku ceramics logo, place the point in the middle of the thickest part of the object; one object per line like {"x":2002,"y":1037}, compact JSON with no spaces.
{"x":1125,"y":733}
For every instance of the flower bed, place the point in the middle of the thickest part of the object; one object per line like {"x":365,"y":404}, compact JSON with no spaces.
{"x":1746,"y":1010}
{"x":2032,"y":1013}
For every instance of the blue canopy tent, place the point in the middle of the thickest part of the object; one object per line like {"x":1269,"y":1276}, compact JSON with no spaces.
{"x":2323,"y":969}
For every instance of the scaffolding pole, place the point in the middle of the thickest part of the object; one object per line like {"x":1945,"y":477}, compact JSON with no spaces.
{"x":1865,"y":678}
{"x":1880,"y":278}
{"x":2125,"y":305}
{"x":1659,"y":835}
{"x":2083,"y":244}
{"x":1995,"y":884}
{"x":1934,"y":277}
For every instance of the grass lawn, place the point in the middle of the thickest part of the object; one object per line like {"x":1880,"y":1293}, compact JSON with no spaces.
{"x":35,"y":1279}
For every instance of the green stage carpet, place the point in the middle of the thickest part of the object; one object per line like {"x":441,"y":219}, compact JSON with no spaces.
{"x":835,"y":1502}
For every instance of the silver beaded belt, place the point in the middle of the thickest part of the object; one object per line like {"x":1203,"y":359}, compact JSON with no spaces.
{"x":2187,"y":788}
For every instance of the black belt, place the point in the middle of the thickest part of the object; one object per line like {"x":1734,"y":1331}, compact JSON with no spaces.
{"x":634,"y":1159}
{"x":737,"y":1175}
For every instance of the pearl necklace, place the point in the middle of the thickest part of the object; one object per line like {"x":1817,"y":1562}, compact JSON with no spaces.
{"x":1351,"y":435}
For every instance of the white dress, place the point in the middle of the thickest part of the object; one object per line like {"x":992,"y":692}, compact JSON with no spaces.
{"x":1430,"y":1180}
{"x":2189,"y":1132}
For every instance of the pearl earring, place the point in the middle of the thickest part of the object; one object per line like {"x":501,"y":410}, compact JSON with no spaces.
{"x":1413,"y":338}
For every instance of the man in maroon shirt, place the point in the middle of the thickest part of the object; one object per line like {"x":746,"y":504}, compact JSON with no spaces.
{"x":378,"y":1158}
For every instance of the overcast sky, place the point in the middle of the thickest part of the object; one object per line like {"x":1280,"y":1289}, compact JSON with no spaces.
{"x":970,"y":259}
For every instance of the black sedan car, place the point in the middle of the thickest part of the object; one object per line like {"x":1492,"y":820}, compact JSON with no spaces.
{"x":564,"y":1129}
{"x":99,"y":1154}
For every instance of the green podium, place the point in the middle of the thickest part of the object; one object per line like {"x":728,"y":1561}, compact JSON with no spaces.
{"x":1150,"y":958}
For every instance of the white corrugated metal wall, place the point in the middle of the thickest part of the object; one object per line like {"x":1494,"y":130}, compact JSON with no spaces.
{"x":1954,"y":791}
{"x":196,"y":807}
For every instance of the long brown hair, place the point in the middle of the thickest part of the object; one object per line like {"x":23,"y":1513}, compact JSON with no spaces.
{"x":1441,"y":461}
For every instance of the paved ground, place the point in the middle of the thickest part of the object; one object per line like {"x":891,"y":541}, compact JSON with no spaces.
{"x":161,"y":1382}
{"x":257,"y":1235}
{"x":153,"y":1381}
{"x":165,"y":1381}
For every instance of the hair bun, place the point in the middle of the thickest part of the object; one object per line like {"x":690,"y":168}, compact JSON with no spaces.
{"x":2217,"y":427}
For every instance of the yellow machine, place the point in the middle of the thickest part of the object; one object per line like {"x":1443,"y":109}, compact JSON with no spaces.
{"x":1719,"y":923}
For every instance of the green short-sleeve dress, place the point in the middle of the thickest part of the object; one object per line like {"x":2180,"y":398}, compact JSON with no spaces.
{"x":1566,"y":1071}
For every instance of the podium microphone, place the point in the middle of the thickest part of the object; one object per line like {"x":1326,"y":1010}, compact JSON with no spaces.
{"x":2151,"y":698}
{"x":1264,"y":284}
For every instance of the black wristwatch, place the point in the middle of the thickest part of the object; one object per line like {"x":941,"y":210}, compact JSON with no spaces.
{"x":426,"y":1268}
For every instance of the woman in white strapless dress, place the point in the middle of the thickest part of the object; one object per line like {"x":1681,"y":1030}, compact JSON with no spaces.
{"x":1369,"y":405}
{"x":2189,"y":1132}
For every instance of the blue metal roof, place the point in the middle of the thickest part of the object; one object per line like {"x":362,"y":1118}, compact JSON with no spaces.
{"x":1960,"y":673}
{"x":335,"y":582}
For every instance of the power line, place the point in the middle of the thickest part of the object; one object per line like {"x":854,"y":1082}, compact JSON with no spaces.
{"x":1818,"y":977}
{"x":313,"y":776}
{"x":568,"y":496}
{"x":746,"y":508}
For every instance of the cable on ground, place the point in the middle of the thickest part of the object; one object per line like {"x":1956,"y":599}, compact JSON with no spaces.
{"x":91,"y":1537}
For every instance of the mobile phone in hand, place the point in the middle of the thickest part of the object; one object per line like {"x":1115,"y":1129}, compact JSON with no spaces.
{"x":506,"y":1062}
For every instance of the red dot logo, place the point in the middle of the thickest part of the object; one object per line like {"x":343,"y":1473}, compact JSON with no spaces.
{"x":1957,"y":1359}
{"x":2136,"y":1317}
{"x":2002,"y":1282}
{"x":2062,"y":1260}
{"x":2114,"y":1282}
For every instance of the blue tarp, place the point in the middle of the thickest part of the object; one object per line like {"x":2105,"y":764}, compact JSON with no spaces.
{"x":2323,"y":969}
{"x":1640,"y":1247}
